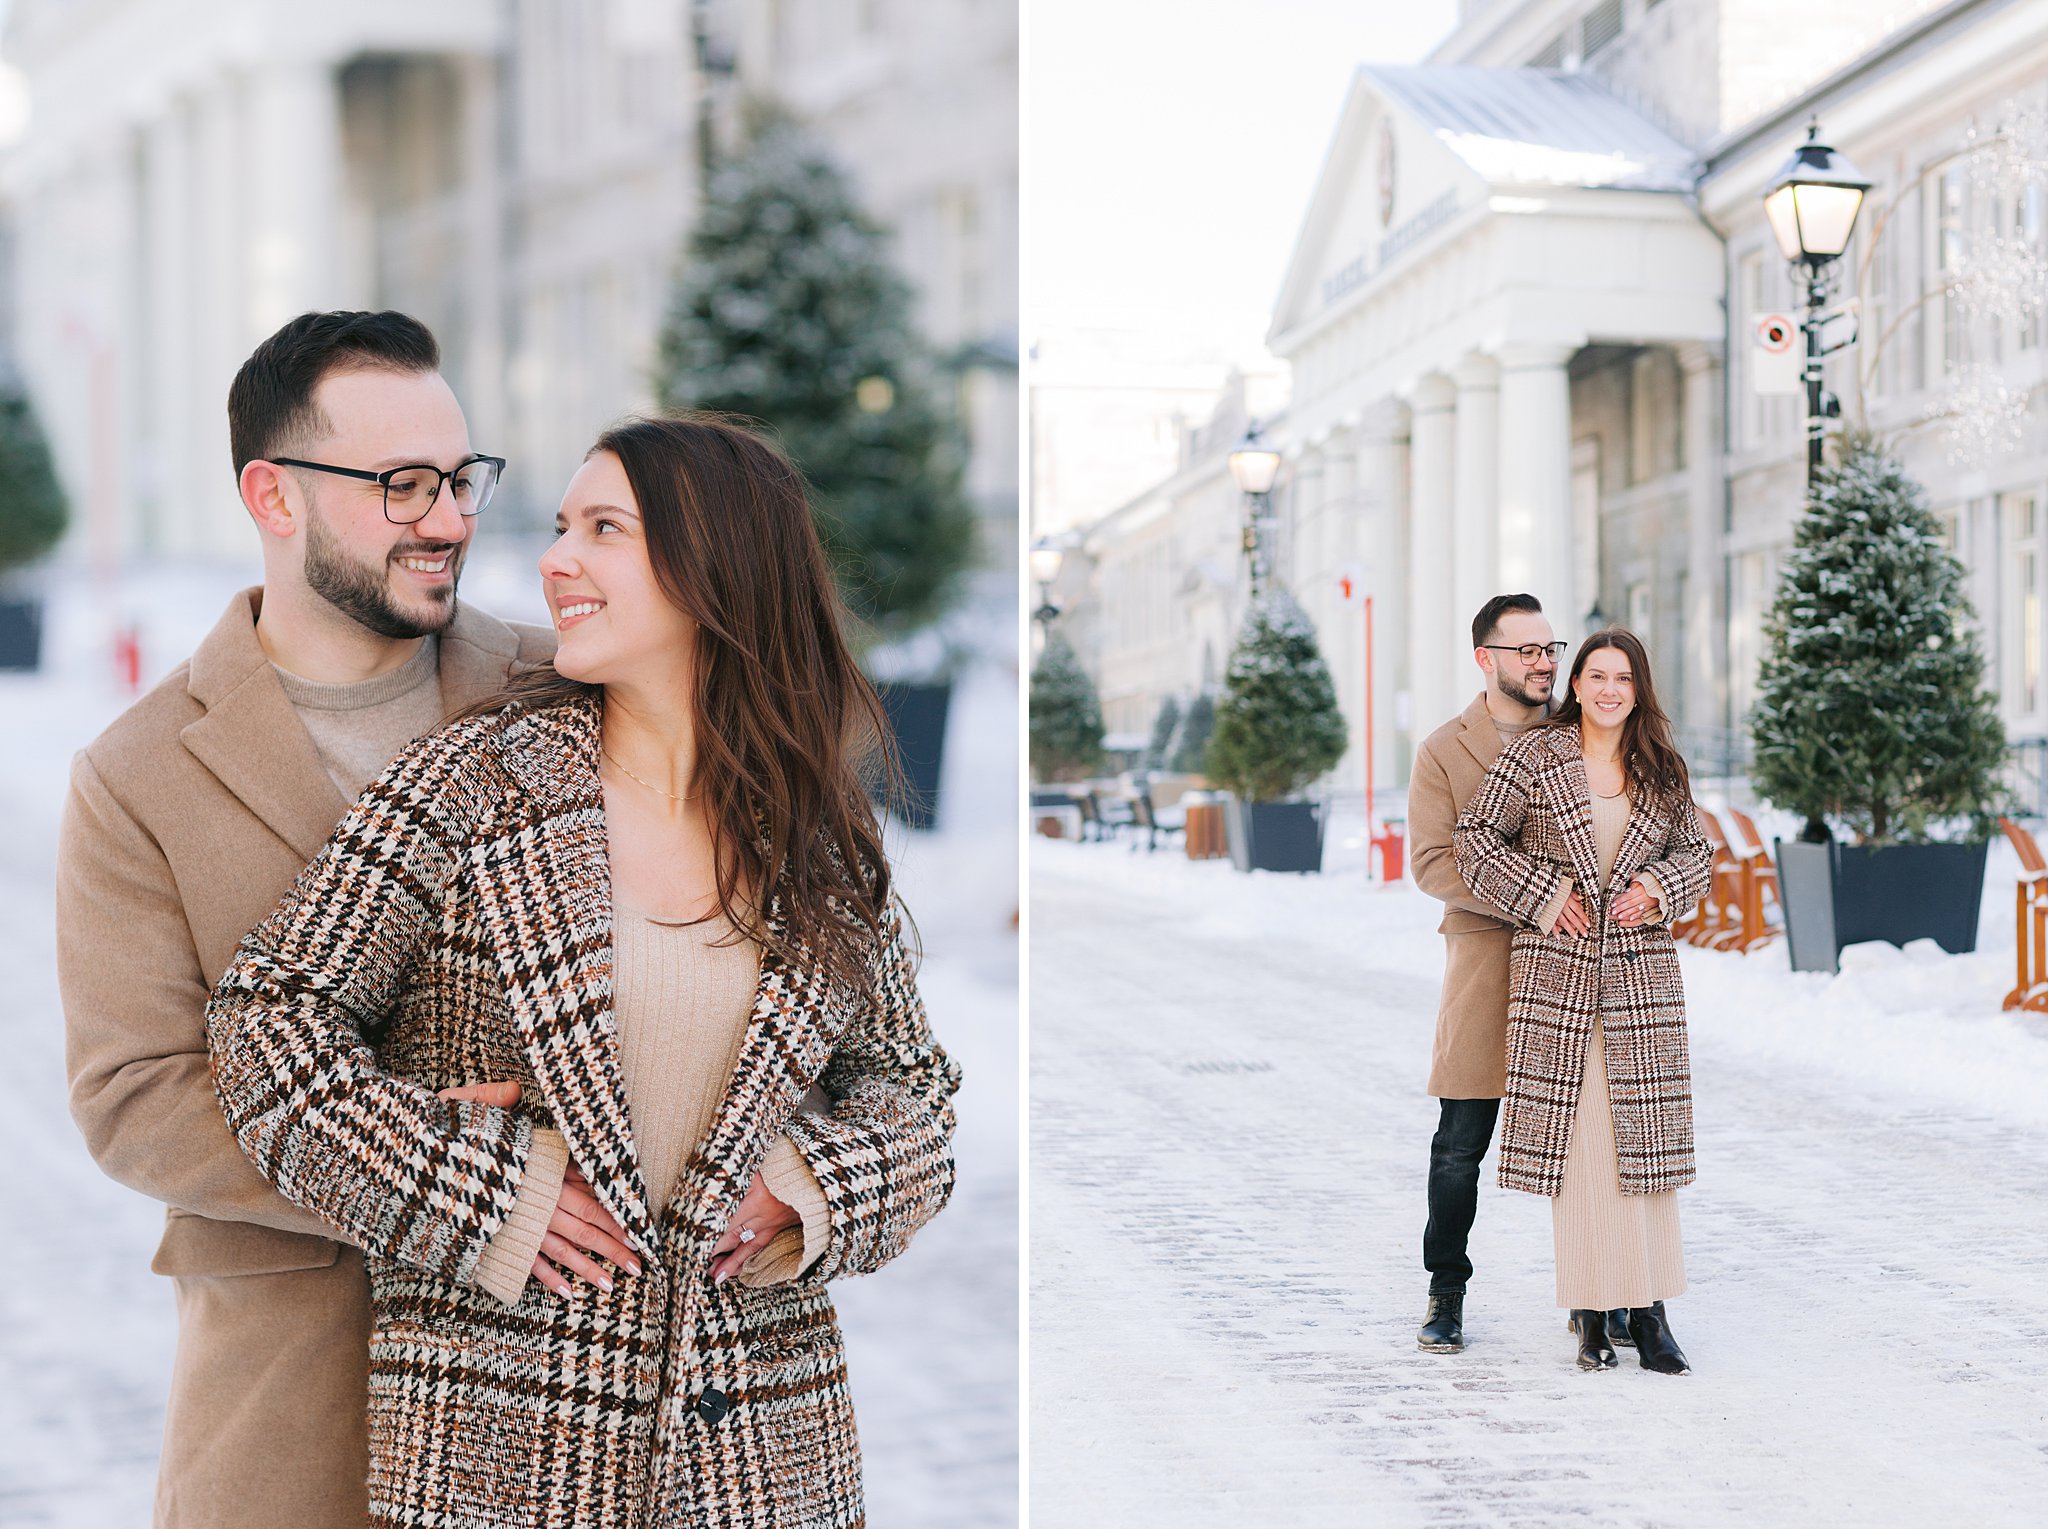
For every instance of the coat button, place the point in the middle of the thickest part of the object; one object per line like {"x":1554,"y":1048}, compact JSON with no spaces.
{"x":713,"y":1405}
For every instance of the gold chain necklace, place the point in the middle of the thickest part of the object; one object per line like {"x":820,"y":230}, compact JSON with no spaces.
{"x":650,"y":785}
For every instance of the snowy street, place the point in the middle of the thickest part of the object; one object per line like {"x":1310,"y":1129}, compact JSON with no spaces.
{"x":86,"y":1330}
{"x":1230,"y":1139}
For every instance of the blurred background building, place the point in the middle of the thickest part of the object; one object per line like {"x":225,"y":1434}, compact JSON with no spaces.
{"x":1517,"y":340}
{"x":519,"y":174}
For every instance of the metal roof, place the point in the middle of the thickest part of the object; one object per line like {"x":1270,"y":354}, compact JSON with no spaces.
{"x":1538,"y":127}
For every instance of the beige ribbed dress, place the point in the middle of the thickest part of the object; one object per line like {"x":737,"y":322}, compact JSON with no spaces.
{"x":1612,"y":1249}
{"x":681,"y":1001}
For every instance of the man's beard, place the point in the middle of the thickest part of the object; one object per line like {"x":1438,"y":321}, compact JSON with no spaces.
{"x":363,"y":594}
{"x":1514,"y":692}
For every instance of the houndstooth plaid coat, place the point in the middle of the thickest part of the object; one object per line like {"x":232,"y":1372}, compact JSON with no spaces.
{"x":1524,"y":832}
{"x":461,"y":916}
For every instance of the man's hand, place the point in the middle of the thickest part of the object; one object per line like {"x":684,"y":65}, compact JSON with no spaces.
{"x":579,"y":1226}
{"x":758,"y":1212}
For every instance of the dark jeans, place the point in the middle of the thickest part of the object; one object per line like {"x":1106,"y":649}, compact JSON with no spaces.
{"x":1464,"y":1131}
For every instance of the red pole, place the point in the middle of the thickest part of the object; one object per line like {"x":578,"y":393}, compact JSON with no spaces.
{"x":1368,"y":737}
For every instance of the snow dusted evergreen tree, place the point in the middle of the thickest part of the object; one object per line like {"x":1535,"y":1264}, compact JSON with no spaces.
{"x":1164,"y":725}
{"x":787,"y":311}
{"x":1189,"y":753}
{"x":32,"y":506}
{"x":1066,"y":714}
{"x":1872,"y":706}
{"x":1277,"y":726}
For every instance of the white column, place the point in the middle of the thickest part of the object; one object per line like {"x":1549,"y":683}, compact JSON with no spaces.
{"x":1382,"y":494}
{"x":294,"y":228}
{"x":220,"y":330}
{"x":1536,"y":482}
{"x":1476,"y":521}
{"x":483,"y":293}
{"x":1705,"y":657}
{"x":168,"y":473}
{"x":1430,"y":590}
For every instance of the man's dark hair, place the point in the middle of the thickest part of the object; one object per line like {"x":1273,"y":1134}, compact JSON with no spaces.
{"x":270,"y":405}
{"x":1486,"y":625}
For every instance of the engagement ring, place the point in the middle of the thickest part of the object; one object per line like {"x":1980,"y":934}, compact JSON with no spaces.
{"x":746,"y":1234}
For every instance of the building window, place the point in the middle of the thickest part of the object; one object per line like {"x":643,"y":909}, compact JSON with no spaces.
{"x":1748,"y":599}
{"x":1601,"y":26}
{"x":1551,"y":56}
{"x":1638,"y":606}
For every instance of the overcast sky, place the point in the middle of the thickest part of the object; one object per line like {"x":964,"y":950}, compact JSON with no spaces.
{"x":1170,"y":147}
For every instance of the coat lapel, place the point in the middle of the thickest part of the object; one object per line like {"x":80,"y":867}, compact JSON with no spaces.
{"x":477,"y":652}
{"x":548,"y":886}
{"x":1478,"y":734}
{"x":252,"y":740}
{"x":1647,"y":830}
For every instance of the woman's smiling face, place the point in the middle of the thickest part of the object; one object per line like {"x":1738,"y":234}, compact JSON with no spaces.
{"x":614,"y":621}
{"x":1606,"y":687}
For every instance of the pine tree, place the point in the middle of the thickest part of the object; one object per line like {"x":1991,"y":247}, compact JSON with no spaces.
{"x":1189,"y":754}
{"x":1277,"y":726}
{"x":1066,"y":714}
{"x":1164,"y":724}
{"x":32,"y":506}
{"x":787,"y":311}
{"x":1872,"y":706}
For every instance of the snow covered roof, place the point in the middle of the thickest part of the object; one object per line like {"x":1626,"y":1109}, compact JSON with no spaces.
{"x":1537,"y":127}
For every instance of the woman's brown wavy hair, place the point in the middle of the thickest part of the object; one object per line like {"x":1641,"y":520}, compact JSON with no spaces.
{"x":790,"y":734}
{"x":1656,"y":770}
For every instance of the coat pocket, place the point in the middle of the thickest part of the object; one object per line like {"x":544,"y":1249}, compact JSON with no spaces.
{"x":796,"y":1390}
{"x":199,"y":1245}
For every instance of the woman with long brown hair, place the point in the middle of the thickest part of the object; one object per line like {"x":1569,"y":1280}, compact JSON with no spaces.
{"x":1584,"y":833}
{"x":646,"y":886}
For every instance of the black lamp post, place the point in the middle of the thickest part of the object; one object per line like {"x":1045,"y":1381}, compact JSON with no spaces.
{"x":1046,"y":558}
{"x":1253,"y":467}
{"x":1812,"y":205}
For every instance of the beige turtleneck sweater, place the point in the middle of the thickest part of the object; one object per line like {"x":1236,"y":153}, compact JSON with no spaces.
{"x":681,"y":1000}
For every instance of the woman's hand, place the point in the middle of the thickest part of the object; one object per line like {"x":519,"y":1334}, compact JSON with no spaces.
{"x":758,"y":1212}
{"x":579,"y":1226}
{"x":1633,"y":906}
{"x":1572,"y":918}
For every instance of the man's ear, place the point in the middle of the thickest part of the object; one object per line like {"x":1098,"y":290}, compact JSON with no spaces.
{"x":1484,"y":658}
{"x":265,"y":496}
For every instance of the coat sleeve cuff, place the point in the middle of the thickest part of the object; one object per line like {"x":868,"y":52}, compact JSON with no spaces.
{"x":1656,"y":890}
{"x":507,"y":1259}
{"x":794,"y":1249}
{"x":1547,"y":915}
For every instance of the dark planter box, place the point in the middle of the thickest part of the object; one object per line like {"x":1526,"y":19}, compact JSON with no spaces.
{"x":917,"y":717}
{"x":1842,"y":894}
{"x":1274,"y":836}
{"x":21,"y":633}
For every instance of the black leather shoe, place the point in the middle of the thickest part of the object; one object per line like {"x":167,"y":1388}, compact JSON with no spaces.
{"x":1617,"y":1328}
{"x":1443,"y":1331}
{"x":1595,"y":1352}
{"x":1655,"y":1346}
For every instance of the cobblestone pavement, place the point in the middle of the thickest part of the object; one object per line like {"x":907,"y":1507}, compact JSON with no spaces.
{"x":1229,"y":1141}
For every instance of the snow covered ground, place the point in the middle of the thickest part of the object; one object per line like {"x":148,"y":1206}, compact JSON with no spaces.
{"x":1229,"y":1144}
{"x":86,"y":1330}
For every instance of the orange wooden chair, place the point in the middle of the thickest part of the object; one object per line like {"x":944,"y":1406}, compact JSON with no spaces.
{"x":2030,"y":911}
{"x":1762,"y":877}
{"x":1720,"y":926}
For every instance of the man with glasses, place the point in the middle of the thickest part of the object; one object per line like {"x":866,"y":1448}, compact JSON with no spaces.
{"x":1518,"y":656}
{"x":187,"y":821}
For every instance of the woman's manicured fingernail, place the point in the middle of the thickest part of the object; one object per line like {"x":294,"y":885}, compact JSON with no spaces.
{"x":718,"y":1278}
{"x":603,"y":1282}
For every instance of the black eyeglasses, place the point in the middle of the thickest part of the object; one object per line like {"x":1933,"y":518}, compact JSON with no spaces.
{"x":410,"y":492}
{"x":1529,"y":652}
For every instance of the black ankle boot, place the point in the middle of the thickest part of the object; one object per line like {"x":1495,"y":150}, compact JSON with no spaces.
{"x":1443,"y":1331}
{"x":1655,"y":1346}
{"x":1595,"y":1352}
{"x":1617,"y":1328}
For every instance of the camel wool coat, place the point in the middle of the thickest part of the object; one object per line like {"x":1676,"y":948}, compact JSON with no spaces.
{"x":460,"y":918}
{"x":1525,"y":833}
{"x":187,"y":819}
{"x":1470,"y":1058}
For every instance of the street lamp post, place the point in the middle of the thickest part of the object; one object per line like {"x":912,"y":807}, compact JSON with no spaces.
{"x":1812,"y":205}
{"x":1253,"y":467}
{"x":1046,"y":558}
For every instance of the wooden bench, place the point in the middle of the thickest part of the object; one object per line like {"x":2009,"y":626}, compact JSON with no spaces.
{"x":2030,"y":911}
